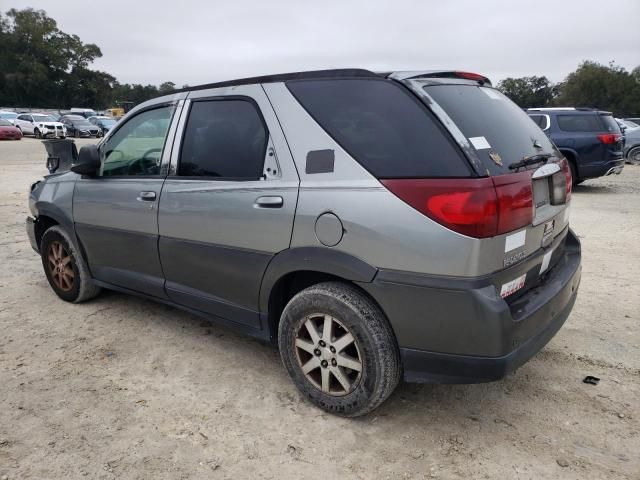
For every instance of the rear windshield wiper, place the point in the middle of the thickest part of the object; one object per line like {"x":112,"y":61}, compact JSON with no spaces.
{"x":530,"y":160}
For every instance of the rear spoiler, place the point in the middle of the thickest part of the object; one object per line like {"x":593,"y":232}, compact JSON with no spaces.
{"x":457,"y":74}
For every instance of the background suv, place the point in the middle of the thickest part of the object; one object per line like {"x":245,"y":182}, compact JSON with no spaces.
{"x":40,"y":125}
{"x":374,"y":226}
{"x":589,"y":139}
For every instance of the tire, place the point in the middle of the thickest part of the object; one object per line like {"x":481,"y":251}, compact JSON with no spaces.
{"x":37,"y":133}
{"x":100,"y":134}
{"x":574,"y":174}
{"x":76,"y":285}
{"x":633,"y":155}
{"x":374,"y":347}
{"x":77,"y":134}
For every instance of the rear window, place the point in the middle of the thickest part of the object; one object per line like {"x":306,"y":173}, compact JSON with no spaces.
{"x":383,"y":127}
{"x":501,"y":132}
{"x":610,"y":124}
{"x":584,"y":123}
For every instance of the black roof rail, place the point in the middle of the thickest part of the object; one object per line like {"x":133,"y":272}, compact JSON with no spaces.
{"x":284,"y":77}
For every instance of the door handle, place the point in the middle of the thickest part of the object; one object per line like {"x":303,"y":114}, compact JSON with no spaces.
{"x":269,"y":202}
{"x":146,"y":197}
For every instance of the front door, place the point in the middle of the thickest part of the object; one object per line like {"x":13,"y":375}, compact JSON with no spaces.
{"x":228,"y":205}
{"x":116,"y":213}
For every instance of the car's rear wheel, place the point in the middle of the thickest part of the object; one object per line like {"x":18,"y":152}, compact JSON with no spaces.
{"x":65,"y":268}
{"x":339,"y":349}
{"x":633,"y":155}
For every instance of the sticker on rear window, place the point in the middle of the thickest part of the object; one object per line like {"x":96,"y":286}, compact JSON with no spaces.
{"x":479,"y":143}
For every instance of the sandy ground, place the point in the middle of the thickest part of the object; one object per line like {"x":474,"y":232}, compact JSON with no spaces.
{"x":124,"y":388}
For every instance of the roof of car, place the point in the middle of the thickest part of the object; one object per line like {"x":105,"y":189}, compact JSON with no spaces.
{"x":578,"y":110}
{"x":323,"y":74}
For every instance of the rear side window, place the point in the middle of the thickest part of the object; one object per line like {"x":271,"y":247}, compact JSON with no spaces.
{"x":580,"y":123}
{"x":610,"y":124}
{"x":223,"y":139}
{"x":383,"y":127}
{"x":540,"y":120}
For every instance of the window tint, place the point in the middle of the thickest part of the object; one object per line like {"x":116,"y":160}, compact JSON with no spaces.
{"x":540,"y":120}
{"x":224,"y":139}
{"x":382,"y":126}
{"x":136,"y":148}
{"x":498,"y":129}
{"x":580,"y":123}
{"x":610,"y":124}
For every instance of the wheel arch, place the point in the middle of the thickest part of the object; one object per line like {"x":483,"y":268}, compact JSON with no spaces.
{"x":295,"y":269}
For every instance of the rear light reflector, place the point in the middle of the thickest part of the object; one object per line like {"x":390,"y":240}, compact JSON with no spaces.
{"x":478,"y":207}
{"x":609,"y":138}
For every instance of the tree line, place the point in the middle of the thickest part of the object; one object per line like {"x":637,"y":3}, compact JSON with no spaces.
{"x":607,"y":87}
{"x":42,"y":66}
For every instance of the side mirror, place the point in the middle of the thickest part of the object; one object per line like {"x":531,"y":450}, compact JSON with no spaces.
{"x":88,"y":162}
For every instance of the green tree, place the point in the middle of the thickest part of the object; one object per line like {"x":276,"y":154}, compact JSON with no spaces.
{"x":608,"y":87}
{"x":528,"y":92}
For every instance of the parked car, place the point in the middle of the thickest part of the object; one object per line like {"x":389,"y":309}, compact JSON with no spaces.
{"x":78,"y":126}
{"x":6,"y":115}
{"x":374,"y":226}
{"x":631,"y":141}
{"x":635,"y":120}
{"x":590,"y":139}
{"x":83,"y":112}
{"x":8,"y":131}
{"x":103,"y":123}
{"x":40,"y":125}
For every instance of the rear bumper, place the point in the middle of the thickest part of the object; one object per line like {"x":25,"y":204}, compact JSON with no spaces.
{"x":462,"y":331}
{"x":602,"y":169}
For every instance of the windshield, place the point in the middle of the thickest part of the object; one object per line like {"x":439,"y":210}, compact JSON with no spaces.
{"x":8,"y":115}
{"x":43,"y":118}
{"x":5,"y":123}
{"x":500,"y":131}
{"x":631,"y":124}
{"x":107,"y":122}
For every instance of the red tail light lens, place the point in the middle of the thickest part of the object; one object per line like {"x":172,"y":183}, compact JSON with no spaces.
{"x":471,"y":76}
{"x":479,"y":207}
{"x":609,"y":138}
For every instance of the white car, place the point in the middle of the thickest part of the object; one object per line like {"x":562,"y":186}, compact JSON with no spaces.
{"x":40,"y":125}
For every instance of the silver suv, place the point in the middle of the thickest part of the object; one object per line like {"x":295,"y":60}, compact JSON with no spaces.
{"x":375,"y":226}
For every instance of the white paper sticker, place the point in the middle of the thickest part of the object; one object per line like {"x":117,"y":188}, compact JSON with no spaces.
{"x":491,"y":93}
{"x":545,"y":262}
{"x":479,"y":143}
{"x":513,"y":286}
{"x":515,"y":240}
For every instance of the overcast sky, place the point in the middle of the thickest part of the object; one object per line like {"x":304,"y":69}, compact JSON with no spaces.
{"x":195,"y":42}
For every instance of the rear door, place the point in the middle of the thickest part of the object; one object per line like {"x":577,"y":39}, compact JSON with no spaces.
{"x":25,"y":122}
{"x":228,"y":204}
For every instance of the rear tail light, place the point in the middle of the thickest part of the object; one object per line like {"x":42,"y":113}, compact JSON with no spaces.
{"x":609,"y":138}
{"x":479,"y":207}
{"x":471,"y":76}
{"x":564,"y":165}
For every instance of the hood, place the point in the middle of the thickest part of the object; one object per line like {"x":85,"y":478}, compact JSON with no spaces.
{"x":9,"y":128}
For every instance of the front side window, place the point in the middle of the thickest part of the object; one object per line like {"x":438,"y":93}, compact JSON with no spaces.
{"x":224,"y":139}
{"x":136,"y":148}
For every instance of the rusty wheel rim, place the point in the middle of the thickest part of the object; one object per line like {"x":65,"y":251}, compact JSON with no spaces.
{"x":60,"y":267}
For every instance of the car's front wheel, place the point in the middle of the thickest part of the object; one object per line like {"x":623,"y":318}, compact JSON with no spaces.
{"x":37,"y":133}
{"x":65,"y":268}
{"x":339,"y":349}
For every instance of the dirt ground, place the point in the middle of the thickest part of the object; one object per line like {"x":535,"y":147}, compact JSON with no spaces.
{"x":125,"y":388}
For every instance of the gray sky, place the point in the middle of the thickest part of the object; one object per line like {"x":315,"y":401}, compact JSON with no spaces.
{"x":195,"y":42}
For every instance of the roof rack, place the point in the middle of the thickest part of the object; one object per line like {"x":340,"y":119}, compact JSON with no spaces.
{"x":284,"y":77}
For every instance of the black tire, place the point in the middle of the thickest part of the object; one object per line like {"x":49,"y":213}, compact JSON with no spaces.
{"x":575,"y":180}
{"x":633,"y":155}
{"x":375,"y":342}
{"x":37,"y":133}
{"x":82,"y":287}
{"x":77,"y":134}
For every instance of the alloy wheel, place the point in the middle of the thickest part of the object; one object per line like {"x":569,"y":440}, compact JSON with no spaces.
{"x":328,"y":355}
{"x":634,"y":155}
{"x":59,"y":261}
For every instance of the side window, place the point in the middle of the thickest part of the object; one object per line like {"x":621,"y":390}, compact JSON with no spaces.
{"x":539,"y":119}
{"x":136,"y":148}
{"x":579,"y":123}
{"x":223,"y":139}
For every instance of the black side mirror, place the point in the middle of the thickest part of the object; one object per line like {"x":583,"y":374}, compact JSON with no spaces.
{"x":88,"y":162}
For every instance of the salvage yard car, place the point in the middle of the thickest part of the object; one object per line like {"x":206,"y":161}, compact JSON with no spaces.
{"x":375,"y":226}
{"x":39,"y":125}
{"x":78,"y":126}
{"x":8,"y":131}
